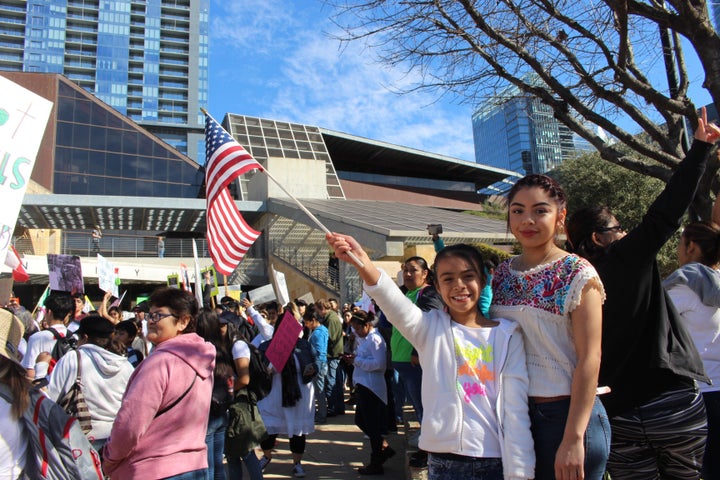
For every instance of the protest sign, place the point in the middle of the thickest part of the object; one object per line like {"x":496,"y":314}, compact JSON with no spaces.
{"x":107,"y":276}
{"x":280,"y":286}
{"x":283,"y":341}
{"x":23,"y":117}
{"x":65,"y":273}
{"x":263,"y":294}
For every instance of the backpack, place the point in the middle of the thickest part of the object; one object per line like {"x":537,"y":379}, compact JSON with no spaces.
{"x":62,"y":344}
{"x":260,"y":374}
{"x":222,"y":394}
{"x":57,"y":448}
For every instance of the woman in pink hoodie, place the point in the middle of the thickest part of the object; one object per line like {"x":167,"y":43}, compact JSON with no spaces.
{"x":159,"y":432}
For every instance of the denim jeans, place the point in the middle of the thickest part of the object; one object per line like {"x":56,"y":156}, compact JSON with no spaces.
{"x":398,"y":393}
{"x":215,"y":441}
{"x":336,"y":400}
{"x":235,"y":470}
{"x":411,"y":379}
{"x":319,"y":386}
{"x":547,"y":422}
{"x":201,"y":474}
{"x":444,"y":467}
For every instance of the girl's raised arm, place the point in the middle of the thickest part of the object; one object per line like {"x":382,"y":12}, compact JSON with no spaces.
{"x":342,"y":244}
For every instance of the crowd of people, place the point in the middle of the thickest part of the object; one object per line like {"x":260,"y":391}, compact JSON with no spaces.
{"x":558,"y":363}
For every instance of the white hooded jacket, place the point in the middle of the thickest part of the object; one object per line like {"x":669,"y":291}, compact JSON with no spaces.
{"x":441,"y":431}
{"x":104,"y":378}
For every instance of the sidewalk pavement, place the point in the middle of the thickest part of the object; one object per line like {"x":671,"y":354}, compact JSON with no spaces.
{"x":336,"y":449}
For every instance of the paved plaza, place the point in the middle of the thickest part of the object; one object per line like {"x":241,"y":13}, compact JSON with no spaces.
{"x":336,"y":449}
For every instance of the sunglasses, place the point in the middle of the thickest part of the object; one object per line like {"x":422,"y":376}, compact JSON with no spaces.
{"x":614,"y":229}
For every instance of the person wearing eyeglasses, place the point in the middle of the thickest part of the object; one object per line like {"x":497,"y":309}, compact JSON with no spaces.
{"x":657,"y":415}
{"x":160,"y":428}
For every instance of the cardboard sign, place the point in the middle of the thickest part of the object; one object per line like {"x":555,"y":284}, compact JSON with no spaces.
{"x":280,"y":286}
{"x":263,"y":294}
{"x":283,"y":341}
{"x":23,"y":117}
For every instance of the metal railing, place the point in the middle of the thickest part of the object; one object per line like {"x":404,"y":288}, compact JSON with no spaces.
{"x":310,"y":265}
{"x":117,"y":245}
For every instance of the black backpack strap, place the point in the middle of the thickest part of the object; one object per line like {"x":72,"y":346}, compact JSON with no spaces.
{"x":79,"y":367}
{"x":55,"y":333}
{"x":177,"y":400}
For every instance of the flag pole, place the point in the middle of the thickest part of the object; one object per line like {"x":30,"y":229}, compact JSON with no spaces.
{"x":301,"y":206}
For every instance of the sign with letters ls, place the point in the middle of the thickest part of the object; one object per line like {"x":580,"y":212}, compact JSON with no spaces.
{"x":23,"y":117}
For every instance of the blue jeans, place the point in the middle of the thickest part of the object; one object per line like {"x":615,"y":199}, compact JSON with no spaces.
{"x":235,"y":471}
{"x":319,"y":386}
{"x":398,"y":393}
{"x":411,"y":380}
{"x":547,"y":422}
{"x":454,"y":467}
{"x":336,"y":398}
{"x":215,"y":441}
{"x":201,"y":474}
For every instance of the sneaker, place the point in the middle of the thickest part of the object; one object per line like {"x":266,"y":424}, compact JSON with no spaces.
{"x":264,"y":462}
{"x":418,"y":459}
{"x":298,"y":471}
{"x":386,"y":454}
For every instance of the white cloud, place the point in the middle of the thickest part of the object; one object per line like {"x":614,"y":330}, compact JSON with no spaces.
{"x":295,"y":72}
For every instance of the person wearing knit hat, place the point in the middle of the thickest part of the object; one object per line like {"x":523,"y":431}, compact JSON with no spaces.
{"x":104,"y":372}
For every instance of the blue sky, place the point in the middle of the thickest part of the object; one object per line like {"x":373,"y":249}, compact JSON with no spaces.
{"x":274,"y":59}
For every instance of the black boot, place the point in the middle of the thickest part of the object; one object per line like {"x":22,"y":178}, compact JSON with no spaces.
{"x":386,"y":454}
{"x":374,"y":467}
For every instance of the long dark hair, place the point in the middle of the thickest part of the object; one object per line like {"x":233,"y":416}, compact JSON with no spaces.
{"x":14,"y":376}
{"x":580,"y":228}
{"x":706,"y":236}
{"x":208,"y":327}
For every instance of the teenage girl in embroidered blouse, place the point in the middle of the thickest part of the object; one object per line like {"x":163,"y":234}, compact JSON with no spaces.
{"x":557,"y":299}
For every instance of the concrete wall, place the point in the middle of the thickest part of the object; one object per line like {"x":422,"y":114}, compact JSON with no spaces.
{"x":302,"y":178}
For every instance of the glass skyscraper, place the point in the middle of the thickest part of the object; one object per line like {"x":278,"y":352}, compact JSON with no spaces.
{"x":148,"y":59}
{"x":517,"y":132}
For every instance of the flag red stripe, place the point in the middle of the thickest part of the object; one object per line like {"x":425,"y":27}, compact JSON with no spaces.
{"x":229,"y":236}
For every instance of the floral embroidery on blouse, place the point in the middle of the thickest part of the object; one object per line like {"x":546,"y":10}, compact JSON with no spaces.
{"x":545,"y":287}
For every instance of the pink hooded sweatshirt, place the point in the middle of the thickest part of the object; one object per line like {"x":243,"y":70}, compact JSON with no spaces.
{"x":145,"y":445}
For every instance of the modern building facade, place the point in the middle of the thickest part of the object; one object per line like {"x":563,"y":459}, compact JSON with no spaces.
{"x":148,"y":59}
{"x":517,"y":132}
{"x":98,"y":167}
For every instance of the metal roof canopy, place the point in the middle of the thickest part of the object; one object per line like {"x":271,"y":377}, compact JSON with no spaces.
{"x":357,"y":154}
{"x":80,"y":212}
{"x":387,"y":227}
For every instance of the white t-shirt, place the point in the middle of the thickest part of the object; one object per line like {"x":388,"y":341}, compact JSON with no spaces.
{"x":13,"y":444}
{"x":478,"y":385}
{"x":39,"y":342}
{"x":240,"y":349}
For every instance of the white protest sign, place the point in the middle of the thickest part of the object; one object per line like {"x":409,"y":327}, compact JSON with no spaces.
{"x":106,"y":276}
{"x":23,"y":117}
{"x":263,"y":294}
{"x":280,"y":286}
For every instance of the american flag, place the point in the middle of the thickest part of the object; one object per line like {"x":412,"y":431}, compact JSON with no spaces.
{"x":228,"y":235}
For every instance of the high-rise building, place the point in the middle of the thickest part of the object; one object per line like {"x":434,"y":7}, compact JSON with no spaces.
{"x":517,"y":132}
{"x":715,"y":13}
{"x":148,"y":59}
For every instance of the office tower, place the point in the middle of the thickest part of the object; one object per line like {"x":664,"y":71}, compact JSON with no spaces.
{"x":517,"y":132}
{"x":148,"y":59}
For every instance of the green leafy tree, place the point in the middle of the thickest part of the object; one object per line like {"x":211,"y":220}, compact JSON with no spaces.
{"x":589,"y":181}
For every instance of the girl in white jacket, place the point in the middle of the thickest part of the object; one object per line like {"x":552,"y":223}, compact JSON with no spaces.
{"x":475,"y":382}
